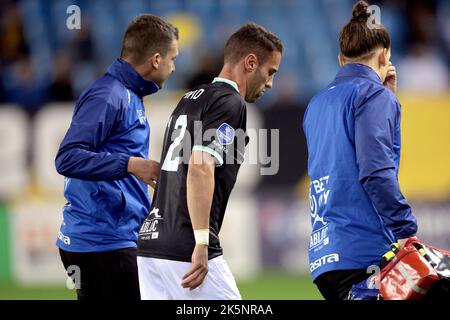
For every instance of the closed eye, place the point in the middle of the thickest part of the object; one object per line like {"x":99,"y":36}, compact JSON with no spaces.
{"x":272,"y":71}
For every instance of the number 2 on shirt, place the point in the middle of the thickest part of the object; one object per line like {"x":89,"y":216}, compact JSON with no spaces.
{"x":169,"y":164}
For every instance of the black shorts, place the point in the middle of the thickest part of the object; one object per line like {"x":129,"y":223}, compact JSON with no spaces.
{"x":336,"y":285}
{"x":111,"y":275}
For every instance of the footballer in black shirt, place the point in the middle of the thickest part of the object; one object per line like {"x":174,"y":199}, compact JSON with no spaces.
{"x":179,"y":252}
{"x":215,"y":108}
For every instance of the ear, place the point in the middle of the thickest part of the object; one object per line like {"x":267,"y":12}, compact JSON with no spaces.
{"x":383,"y":57}
{"x":250,"y":62}
{"x":155,"y":61}
{"x":341,"y":60}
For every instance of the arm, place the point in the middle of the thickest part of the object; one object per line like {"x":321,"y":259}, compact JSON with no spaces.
{"x":206,"y":155}
{"x":200,"y":190}
{"x":375,"y":123}
{"x":79,"y":156}
{"x":384,"y":191}
{"x":76,"y":160}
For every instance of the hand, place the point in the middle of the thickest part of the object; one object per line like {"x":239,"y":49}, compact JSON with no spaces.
{"x":391,"y":78}
{"x":197,"y":273}
{"x":145,"y":170}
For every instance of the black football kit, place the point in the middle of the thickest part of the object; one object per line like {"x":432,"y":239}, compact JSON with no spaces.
{"x":210,"y":118}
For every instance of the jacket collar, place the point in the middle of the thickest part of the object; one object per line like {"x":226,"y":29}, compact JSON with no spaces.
{"x":358,"y":70}
{"x":125,"y":73}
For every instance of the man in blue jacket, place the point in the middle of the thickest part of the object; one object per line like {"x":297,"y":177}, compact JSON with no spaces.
{"x":104,"y":158}
{"x":352,"y":128}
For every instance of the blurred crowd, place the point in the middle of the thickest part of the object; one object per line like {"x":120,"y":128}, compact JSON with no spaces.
{"x":41,"y":60}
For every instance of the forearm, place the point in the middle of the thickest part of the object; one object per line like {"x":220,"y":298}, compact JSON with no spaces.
{"x":384,"y":191}
{"x":94,"y":166}
{"x":200,"y":190}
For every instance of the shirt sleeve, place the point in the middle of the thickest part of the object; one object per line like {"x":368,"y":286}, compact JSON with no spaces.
{"x":375,"y":124}
{"x":384,"y":191}
{"x":79,"y":154}
{"x":223,"y":125}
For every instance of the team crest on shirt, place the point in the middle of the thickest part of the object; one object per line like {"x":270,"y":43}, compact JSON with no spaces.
{"x":225,"y":134}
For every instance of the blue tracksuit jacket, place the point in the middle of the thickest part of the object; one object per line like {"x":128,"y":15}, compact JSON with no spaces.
{"x":105,"y":205}
{"x":352,"y":129}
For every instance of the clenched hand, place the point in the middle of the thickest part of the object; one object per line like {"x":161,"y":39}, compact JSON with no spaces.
{"x":391,"y":78}
{"x":145,"y":170}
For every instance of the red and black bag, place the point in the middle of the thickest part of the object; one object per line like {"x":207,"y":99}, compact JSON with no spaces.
{"x":418,"y":271}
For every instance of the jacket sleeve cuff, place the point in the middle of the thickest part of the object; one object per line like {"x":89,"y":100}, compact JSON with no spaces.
{"x":123,"y":165}
{"x":407,"y":232}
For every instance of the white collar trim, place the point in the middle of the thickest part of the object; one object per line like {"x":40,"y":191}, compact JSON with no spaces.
{"x":230,"y":82}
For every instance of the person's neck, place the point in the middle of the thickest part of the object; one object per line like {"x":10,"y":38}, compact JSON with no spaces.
{"x":372,"y":63}
{"x":374,"y":66}
{"x":140,"y":69}
{"x":233,"y":73}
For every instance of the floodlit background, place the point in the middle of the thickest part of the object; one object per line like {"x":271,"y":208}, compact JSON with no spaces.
{"x":44,"y":66}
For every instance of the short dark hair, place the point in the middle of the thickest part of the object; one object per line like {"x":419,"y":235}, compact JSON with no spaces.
{"x":251,"y":38}
{"x":146,"y":35}
{"x":357,"y":40}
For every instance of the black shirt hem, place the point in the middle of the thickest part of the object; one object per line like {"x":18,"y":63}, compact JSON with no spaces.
{"x":171,"y":257}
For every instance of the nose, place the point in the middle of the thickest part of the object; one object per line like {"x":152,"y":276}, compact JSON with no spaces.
{"x":269,"y":84}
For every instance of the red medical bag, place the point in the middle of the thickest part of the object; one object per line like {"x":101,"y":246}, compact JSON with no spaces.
{"x":415,"y":269}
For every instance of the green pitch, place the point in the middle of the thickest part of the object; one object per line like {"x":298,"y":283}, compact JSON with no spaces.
{"x":270,"y":286}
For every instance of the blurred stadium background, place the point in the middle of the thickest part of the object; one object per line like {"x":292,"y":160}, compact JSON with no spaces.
{"x":44,"y":66}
